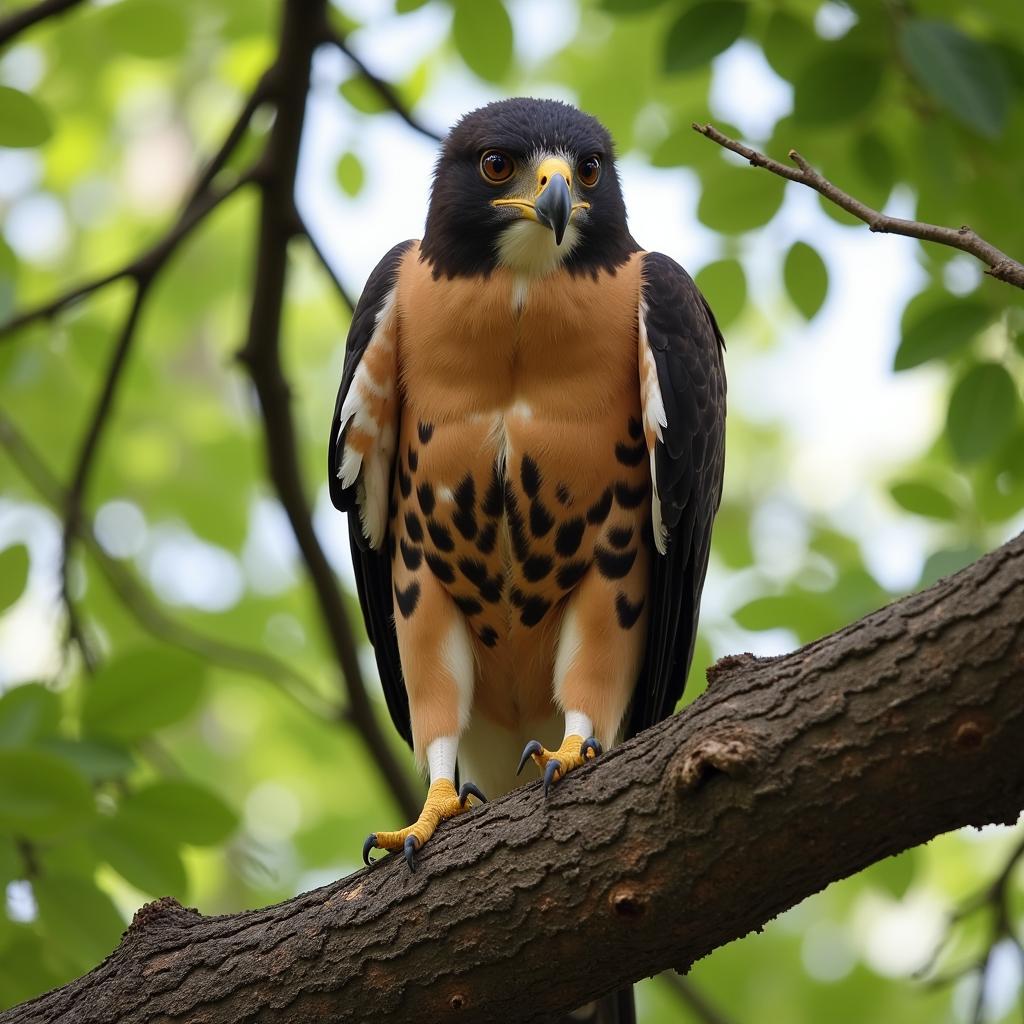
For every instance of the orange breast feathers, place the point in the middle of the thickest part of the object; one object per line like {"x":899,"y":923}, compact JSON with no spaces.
{"x":522,"y":467}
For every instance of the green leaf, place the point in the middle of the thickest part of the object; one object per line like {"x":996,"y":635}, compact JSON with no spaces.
{"x":23,"y":122}
{"x":959,"y":72}
{"x":350,"y":174}
{"x":702,"y":32}
{"x":362,"y":96}
{"x":78,"y":917}
{"x":736,"y":199}
{"x":924,"y":499}
{"x":725,"y":287}
{"x":98,"y":761}
{"x":982,"y":411}
{"x":184,"y":812}
{"x":141,"y":857}
{"x":806,"y":278}
{"x":944,"y":563}
{"x":407,"y":6}
{"x":836,"y":86}
{"x":629,"y":6}
{"x":26,"y":713}
{"x":41,"y":796}
{"x":939,"y":330}
{"x":788,"y":44}
{"x":14,"y":562}
{"x":806,"y":614}
{"x":147,"y":28}
{"x":482,"y":31}
{"x":141,"y":691}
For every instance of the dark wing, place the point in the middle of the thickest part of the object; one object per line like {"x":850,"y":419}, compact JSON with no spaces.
{"x":372,"y":564}
{"x":684,"y":417}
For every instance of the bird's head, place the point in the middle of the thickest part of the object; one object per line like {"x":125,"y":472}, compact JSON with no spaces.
{"x":530,"y":185}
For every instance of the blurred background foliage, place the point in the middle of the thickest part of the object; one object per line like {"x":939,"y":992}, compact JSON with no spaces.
{"x":227,"y":774}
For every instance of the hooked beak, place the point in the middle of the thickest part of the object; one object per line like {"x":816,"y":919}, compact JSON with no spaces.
{"x":554,"y":206}
{"x":552,"y":203}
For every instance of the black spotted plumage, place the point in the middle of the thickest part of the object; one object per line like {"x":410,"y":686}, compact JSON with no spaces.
{"x":613,"y":565}
{"x":440,"y":567}
{"x":626,"y":611}
{"x":569,"y":536}
{"x":630,"y":454}
{"x":598,"y":512}
{"x":408,"y":598}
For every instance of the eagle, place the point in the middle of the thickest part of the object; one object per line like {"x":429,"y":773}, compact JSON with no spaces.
{"x":529,"y":440}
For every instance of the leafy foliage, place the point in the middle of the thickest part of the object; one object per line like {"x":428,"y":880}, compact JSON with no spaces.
{"x":168,"y":772}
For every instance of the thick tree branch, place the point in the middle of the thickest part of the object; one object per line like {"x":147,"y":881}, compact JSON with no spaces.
{"x":16,"y":22}
{"x":1000,"y":266}
{"x":789,"y":773}
{"x":385,"y":90}
{"x":261,"y":355}
{"x":141,"y":605}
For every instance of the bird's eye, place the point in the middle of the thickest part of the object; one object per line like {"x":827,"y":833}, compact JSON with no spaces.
{"x":588,"y":171}
{"x":496,"y":166}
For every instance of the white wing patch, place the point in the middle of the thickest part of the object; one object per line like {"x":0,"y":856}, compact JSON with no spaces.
{"x":368,"y":423}
{"x":654,"y":422}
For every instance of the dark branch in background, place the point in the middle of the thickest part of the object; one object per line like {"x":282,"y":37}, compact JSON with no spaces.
{"x":787,"y":774}
{"x":17,"y":22}
{"x":1000,"y":266}
{"x":140,"y":604}
{"x":385,"y":90}
{"x":261,"y":355}
{"x":343,"y":294}
{"x":692,"y":998}
{"x":994,"y":899}
{"x":286,"y":85}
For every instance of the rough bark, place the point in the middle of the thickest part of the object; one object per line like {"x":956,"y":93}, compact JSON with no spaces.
{"x":788,"y":774}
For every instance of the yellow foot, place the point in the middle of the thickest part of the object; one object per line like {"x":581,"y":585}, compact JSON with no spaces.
{"x":442,"y":803}
{"x":574,"y":751}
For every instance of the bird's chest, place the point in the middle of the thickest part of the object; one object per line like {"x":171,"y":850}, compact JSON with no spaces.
{"x":520,"y":442}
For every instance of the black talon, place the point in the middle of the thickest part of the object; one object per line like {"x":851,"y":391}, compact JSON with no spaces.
{"x":470,"y":789}
{"x":370,"y":844}
{"x":589,"y":744}
{"x":533,"y":747}
{"x":410,"y":849}
{"x":549,"y":775}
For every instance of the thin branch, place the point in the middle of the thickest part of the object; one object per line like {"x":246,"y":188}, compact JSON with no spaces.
{"x":261,"y":355}
{"x":87,"y":454}
{"x":384,"y":89}
{"x":17,"y":22}
{"x":1000,"y":266}
{"x":328,"y":269}
{"x":693,"y":999}
{"x":145,"y":610}
{"x":142,"y":266}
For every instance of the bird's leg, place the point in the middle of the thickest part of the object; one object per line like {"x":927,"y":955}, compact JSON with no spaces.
{"x":443,"y":802}
{"x":573,"y":752}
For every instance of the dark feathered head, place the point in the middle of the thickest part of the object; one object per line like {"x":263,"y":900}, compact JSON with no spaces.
{"x":528,"y":184}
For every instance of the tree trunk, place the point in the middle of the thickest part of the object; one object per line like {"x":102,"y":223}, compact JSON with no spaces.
{"x":788,"y":774}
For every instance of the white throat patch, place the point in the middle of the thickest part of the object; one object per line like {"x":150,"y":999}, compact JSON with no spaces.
{"x":529,"y":248}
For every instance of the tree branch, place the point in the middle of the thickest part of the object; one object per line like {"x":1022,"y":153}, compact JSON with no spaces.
{"x":1000,"y":266}
{"x":788,"y":774}
{"x":261,"y":355}
{"x":385,"y":90}
{"x":144,"y":609}
{"x":328,"y":269}
{"x":16,"y":23}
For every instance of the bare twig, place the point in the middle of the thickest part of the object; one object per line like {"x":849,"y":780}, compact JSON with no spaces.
{"x":328,"y":269}
{"x":995,"y":898}
{"x":141,"y":605}
{"x":261,"y":355}
{"x":385,"y":90}
{"x":1000,"y":266}
{"x":143,"y":266}
{"x":17,"y":22}
{"x":693,"y":999}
